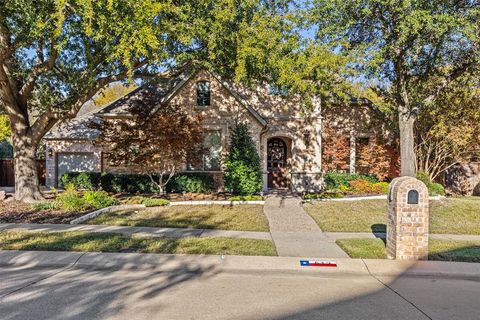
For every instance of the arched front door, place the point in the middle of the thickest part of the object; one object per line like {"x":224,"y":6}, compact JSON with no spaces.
{"x":277,"y":163}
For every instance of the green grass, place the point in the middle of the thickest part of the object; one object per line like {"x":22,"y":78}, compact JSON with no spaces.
{"x":235,"y":217}
{"x":452,"y":215}
{"x":441,"y":250}
{"x":109,"y":242}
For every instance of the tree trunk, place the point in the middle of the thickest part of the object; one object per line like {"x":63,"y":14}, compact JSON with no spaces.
{"x":407,"y":143}
{"x":25,"y":165}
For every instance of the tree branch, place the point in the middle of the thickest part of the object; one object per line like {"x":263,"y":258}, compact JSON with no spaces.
{"x":42,"y":67}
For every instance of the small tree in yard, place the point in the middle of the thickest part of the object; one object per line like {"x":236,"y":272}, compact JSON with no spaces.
{"x":336,"y":151}
{"x":243,"y":173}
{"x":153,"y":144}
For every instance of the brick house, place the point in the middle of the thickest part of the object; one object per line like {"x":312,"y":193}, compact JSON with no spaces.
{"x":288,"y":137}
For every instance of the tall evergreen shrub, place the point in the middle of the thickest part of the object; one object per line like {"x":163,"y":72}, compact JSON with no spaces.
{"x":243,"y":173}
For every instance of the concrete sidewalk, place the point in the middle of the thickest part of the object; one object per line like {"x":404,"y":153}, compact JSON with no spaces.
{"x":294,"y":232}
{"x":190,"y":232}
{"x":147,"y":232}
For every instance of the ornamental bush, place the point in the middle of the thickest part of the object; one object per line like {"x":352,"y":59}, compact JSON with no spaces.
{"x":243,"y":175}
{"x":434,"y":189}
{"x":334,"y":180}
{"x":136,"y":183}
{"x":99,"y":199}
{"x":71,"y":200}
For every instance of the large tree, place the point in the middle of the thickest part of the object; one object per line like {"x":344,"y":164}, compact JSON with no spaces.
{"x":55,"y":55}
{"x":412,"y":49}
{"x":449,"y":133}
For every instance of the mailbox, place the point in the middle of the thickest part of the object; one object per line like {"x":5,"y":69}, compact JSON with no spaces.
{"x":408,"y":218}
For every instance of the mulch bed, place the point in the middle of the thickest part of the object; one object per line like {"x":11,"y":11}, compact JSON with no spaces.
{"x":18,"y":212}
{"x":184,"y":197}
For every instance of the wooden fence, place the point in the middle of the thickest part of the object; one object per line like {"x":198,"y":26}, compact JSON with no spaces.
{"x":7,"y":176}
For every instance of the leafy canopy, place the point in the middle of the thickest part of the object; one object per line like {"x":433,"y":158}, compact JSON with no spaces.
{"x":403,"y":44}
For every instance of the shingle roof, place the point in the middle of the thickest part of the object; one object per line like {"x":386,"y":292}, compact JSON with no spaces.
{"x":78,"y":128}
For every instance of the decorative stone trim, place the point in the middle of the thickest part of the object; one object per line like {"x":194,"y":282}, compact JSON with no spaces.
{"x":96,"y":213}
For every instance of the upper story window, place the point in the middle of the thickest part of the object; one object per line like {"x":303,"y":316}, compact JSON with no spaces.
{"x":203,"y":93}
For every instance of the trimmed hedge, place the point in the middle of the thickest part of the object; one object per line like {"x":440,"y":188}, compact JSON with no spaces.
{"x":136,"y":183}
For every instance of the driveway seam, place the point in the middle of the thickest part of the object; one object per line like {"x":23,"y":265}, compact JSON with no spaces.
{"x":396,"y":292}
{"x":44,"y":278}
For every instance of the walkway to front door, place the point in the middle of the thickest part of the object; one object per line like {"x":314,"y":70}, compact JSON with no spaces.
{"x":295,"y":233}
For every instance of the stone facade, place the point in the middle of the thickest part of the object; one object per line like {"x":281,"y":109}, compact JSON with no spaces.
{"x":267,"y":115}
{"x":408,"y":219}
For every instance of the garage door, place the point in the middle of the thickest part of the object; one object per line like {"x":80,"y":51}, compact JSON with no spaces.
{"x":74,"y":162}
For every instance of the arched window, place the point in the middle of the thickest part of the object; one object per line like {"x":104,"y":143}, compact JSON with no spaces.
{"x":203,"y":93}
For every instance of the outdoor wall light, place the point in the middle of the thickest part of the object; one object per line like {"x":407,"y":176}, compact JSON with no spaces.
{"x":50,"y":153}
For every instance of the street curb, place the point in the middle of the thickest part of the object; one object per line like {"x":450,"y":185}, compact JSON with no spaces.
{"x":96,"y":213}
{"x":190,"y":263}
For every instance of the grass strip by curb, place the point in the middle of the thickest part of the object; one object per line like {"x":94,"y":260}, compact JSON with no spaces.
{"x":440,"y":250}
{"x":109,"y":242}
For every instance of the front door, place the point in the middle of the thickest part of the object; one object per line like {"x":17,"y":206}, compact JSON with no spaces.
{"x":277,"y":163}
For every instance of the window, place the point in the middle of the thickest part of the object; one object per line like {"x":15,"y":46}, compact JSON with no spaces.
{"x":203,"y":93}
{"x":210,"y":157}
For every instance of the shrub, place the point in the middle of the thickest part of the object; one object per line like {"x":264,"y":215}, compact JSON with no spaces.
{"x":70,"y":199}
{"x":362,"y":186}
{"x":242,"y":179}
{"x":136,"y":183}
{"x":45,"y":205}
{"x":381,"y":187}
{"x":424,"y":177}
{"x":152,"y":202}
{"x":134,"y":200}
{"x":334,"y":179}
{"x":243,"y":175}
{"x":191,"y":182}
{"x":436,"y":189}
{"x":246,"y":198}
{"x":99,"y":199}
{"x":81,"y":180}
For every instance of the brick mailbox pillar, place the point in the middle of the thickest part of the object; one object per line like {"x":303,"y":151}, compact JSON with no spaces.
{"x":407,"y":226}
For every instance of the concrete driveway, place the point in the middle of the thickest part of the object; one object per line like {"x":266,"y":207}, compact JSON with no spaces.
{"x":112,"y":286}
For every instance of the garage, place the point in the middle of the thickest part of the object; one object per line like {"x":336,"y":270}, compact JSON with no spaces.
{"x":75,"y":162}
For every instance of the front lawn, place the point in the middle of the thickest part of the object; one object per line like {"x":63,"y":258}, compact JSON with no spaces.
{"x":235,"y":217}
{"x":451,"y":215}
{"x":109,"y":242}
{"x":441,"y":250}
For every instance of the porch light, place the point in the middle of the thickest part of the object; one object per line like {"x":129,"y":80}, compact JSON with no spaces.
{"x":50,"y":153}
